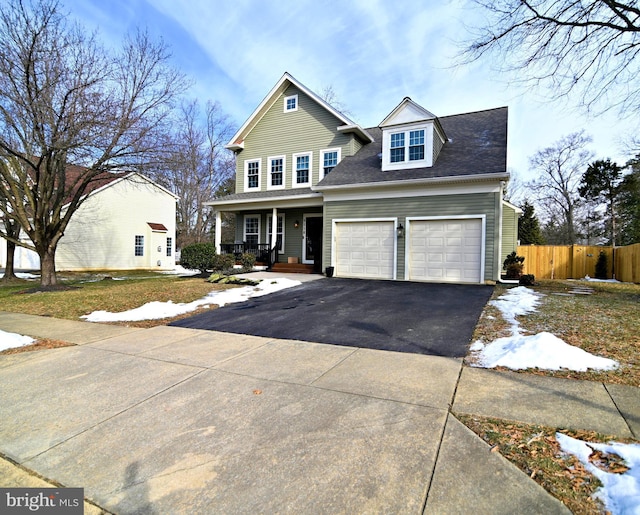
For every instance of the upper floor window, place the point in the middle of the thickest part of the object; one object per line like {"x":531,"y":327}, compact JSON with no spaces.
{"x":329,"y":160}
{"x":291,"y":103}
{"x":416,"y":145}
{"x":276,"y":172}
{"x":302,"y":170}
{"x":397,"y":147}
{"x":252,"y":174}
{"x":408,"y":148}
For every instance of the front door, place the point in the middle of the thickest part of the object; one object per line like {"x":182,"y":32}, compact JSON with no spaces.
{"x":312,"y":240}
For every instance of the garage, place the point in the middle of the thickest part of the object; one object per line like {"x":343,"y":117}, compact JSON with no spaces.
{"x":365,"y":249}
{"x":448,"y":250}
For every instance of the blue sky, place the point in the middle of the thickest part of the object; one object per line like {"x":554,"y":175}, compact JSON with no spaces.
{"x":372,"y":53}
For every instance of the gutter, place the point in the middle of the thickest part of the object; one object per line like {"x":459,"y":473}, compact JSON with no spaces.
{"x":410,"y":182}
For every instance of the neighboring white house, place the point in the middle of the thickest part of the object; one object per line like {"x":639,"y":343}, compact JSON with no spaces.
{"x":129,"y":222}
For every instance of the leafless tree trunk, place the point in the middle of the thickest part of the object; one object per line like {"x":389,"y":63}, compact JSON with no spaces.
{"x":66,"y":100}
{"x":559,"y":169}
{"x":195,"y":166}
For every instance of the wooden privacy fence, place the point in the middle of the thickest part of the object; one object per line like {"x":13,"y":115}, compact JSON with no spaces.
{"x":578,"y":261}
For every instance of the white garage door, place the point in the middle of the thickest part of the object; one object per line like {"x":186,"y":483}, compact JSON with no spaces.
{"x":365,"y":249}
{"x":445,"y":250}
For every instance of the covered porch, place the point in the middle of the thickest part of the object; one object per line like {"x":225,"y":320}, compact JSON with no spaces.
{"x":292,"y":244}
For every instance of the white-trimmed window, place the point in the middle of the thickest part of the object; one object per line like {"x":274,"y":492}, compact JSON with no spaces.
{"x":279,"y":232}
{"x":407,"y":148}
{"x":252,"y":174}
{"x":302,"y":166}
{"x":139,"y":246}
{"x":277,"y":166}
{"x":169,"y":246}
{"x":290,"y":103}
{"x":329,"y":158}
{"x":252,"y":229}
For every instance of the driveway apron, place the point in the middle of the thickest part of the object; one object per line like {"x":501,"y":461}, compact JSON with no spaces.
{"x":420,"y":318}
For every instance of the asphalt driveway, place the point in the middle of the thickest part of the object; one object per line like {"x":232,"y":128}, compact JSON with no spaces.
{"x":421,"y":318}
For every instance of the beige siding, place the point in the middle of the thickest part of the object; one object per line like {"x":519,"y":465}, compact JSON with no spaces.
{"x":509,"y":231}
{"x":444,"y":205}
{"x":101,"y":234}
{"x":309,"y":129}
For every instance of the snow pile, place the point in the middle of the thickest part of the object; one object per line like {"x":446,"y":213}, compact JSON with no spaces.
{"x":157,"y":310}
{"x":620,"y":493}
{"x":543,"y":350}
{"x":11,"y":340}
{"x":591,"y":279}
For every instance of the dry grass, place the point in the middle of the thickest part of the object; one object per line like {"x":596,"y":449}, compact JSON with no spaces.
{"x":605,"y":323}
{"x":85,"y":293}
{"x":109,"y":295}
{"x":535,"y":451}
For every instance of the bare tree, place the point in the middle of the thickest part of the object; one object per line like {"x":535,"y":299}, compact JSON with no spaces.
{"x":329,"y":95}
{"x":591,"y":47}
{"x":63,"y":100}
{"x":195,"y":165}
{"x":559,"y":170}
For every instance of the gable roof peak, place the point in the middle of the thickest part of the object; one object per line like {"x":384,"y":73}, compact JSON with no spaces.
{"x":347,"y":125}
{"x":407,"y":111}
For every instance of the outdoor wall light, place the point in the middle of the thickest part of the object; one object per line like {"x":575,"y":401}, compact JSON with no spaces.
{"x":296,"y":224}
{"x":400,"y":230}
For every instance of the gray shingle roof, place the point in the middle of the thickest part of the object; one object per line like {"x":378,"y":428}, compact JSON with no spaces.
{"x":272,"y":194}
{"x":477,"y":145}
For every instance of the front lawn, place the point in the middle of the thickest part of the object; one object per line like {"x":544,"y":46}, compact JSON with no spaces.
{"x":605,"y":323}
{"x":117,"y":292}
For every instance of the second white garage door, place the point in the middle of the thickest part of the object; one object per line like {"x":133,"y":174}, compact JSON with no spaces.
{"x":365,"y":249}
{"x":445,"y":250}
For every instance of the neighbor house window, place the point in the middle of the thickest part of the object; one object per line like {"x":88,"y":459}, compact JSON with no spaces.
{"x":252,"y":229}
{"x":291,"y":103}
{"x":276,"y":172}
{"x":252,"y":173}
{"x":139,"y":246}
{"x":416,"y":145}
{"x":279,"y":232}
{"x":169,"y":246}
{"x":302,"y":175}
{"x":329,"y":159}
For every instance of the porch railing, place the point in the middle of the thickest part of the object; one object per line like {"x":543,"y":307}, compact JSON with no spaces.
{"x":262,"y":251}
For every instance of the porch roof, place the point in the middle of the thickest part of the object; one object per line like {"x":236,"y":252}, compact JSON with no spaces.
{"x":299,"y":197}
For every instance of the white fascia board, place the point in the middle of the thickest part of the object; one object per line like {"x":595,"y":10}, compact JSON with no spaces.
{"x":357,"y":130}
{"x":414,"y":182}
{"x":311,"y":199}
{"x":513,"y":206}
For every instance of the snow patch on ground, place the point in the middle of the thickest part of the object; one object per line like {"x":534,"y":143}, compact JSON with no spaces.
{"x":620,"y":493}
{"x":543,"y":350}
{"x":157,"y":310}
{"x":12,"y":340}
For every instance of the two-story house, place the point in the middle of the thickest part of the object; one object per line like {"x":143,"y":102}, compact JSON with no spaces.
{"x":416,"y":198}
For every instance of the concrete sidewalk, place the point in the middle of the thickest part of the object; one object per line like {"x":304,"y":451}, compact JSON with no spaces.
{"x":173,"y":420}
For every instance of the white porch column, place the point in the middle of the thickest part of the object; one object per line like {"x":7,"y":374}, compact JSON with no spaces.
{"x":274,"y":228}
{"x":218,"y":232}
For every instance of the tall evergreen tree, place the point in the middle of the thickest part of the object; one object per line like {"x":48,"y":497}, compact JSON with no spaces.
{"x":629,"y":206}
{"x":601,"y":183}
{"x":529,"y":227}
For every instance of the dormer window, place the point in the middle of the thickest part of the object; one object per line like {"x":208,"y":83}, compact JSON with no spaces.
{"x":411,"y":137}
{"x":290,"y":103}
